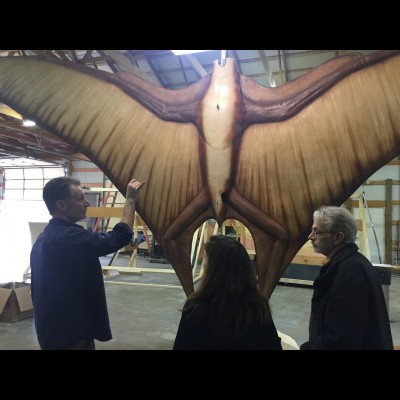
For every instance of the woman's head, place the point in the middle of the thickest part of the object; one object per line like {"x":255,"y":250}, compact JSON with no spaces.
{"x":228,"y":267}
{"x":229,"y":287}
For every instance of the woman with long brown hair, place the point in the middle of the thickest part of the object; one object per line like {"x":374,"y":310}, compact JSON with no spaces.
{"x":227,"y":311}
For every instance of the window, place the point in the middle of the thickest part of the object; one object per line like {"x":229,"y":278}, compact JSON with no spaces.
{"x":27,"y":183}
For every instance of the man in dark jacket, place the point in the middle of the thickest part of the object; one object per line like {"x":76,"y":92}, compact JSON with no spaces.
{"x":67,"y":281}
{"x":348,"y":308}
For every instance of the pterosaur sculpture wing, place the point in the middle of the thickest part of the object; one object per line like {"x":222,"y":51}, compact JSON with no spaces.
{"x":225,"y":147}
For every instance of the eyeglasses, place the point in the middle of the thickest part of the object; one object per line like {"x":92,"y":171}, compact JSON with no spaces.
{"x":317,"y":232}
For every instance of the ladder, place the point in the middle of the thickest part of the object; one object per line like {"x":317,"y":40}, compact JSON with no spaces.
{"x":362,"y":237}
{"x":132,"y":259}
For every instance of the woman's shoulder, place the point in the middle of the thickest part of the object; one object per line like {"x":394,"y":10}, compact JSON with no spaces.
{"x":197,"y":310}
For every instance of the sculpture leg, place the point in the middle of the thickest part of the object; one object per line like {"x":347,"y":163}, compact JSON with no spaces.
{"x":270,"y":239}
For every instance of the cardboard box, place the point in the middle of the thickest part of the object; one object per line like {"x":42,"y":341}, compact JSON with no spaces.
{"x":15,"y":301}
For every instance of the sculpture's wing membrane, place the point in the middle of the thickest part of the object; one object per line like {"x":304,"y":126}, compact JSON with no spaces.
{"x":93,"y":111}
{"x":318,"y":156}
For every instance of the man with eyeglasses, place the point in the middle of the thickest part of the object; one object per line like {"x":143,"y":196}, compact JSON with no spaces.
{"x":348,"y":308}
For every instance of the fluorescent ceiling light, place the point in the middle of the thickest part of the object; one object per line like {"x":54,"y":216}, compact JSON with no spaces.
{"x":28,"y":122}
{"x":181,"y":52}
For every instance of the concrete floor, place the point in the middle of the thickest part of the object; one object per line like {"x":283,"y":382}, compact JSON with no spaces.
{"x":146,"y":318}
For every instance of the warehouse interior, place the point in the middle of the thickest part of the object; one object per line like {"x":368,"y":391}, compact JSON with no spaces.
{"x":145,"y":302}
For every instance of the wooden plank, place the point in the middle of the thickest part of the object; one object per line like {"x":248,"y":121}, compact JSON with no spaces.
{"x":137,"y":270}
{"x":363,"y":236}
{"x":199,"y":247}
{"x":368,"y":183}
{"x":349,"y":205}
{"x":143,"y":284}
{"x":157,"y":270}
{"x":87,"y":170}
{"x":101,"y":189}
{"x":388,"y":222}
{"x":375,"y":203}
{"x":106,"y":212}
{"x":394,"y":162}
{"x":309,"y":259}
{"x":307,"y":256}
{"x":296,"y":281}
{"x":122,"y":270}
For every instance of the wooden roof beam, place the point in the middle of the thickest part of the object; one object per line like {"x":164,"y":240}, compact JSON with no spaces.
{"x":124,"y":61}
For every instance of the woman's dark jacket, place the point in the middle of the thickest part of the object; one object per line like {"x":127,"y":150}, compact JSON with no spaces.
{"x":196,"y":332}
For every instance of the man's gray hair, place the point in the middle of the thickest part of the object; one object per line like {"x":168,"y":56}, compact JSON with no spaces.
{"x":337,"y":219}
